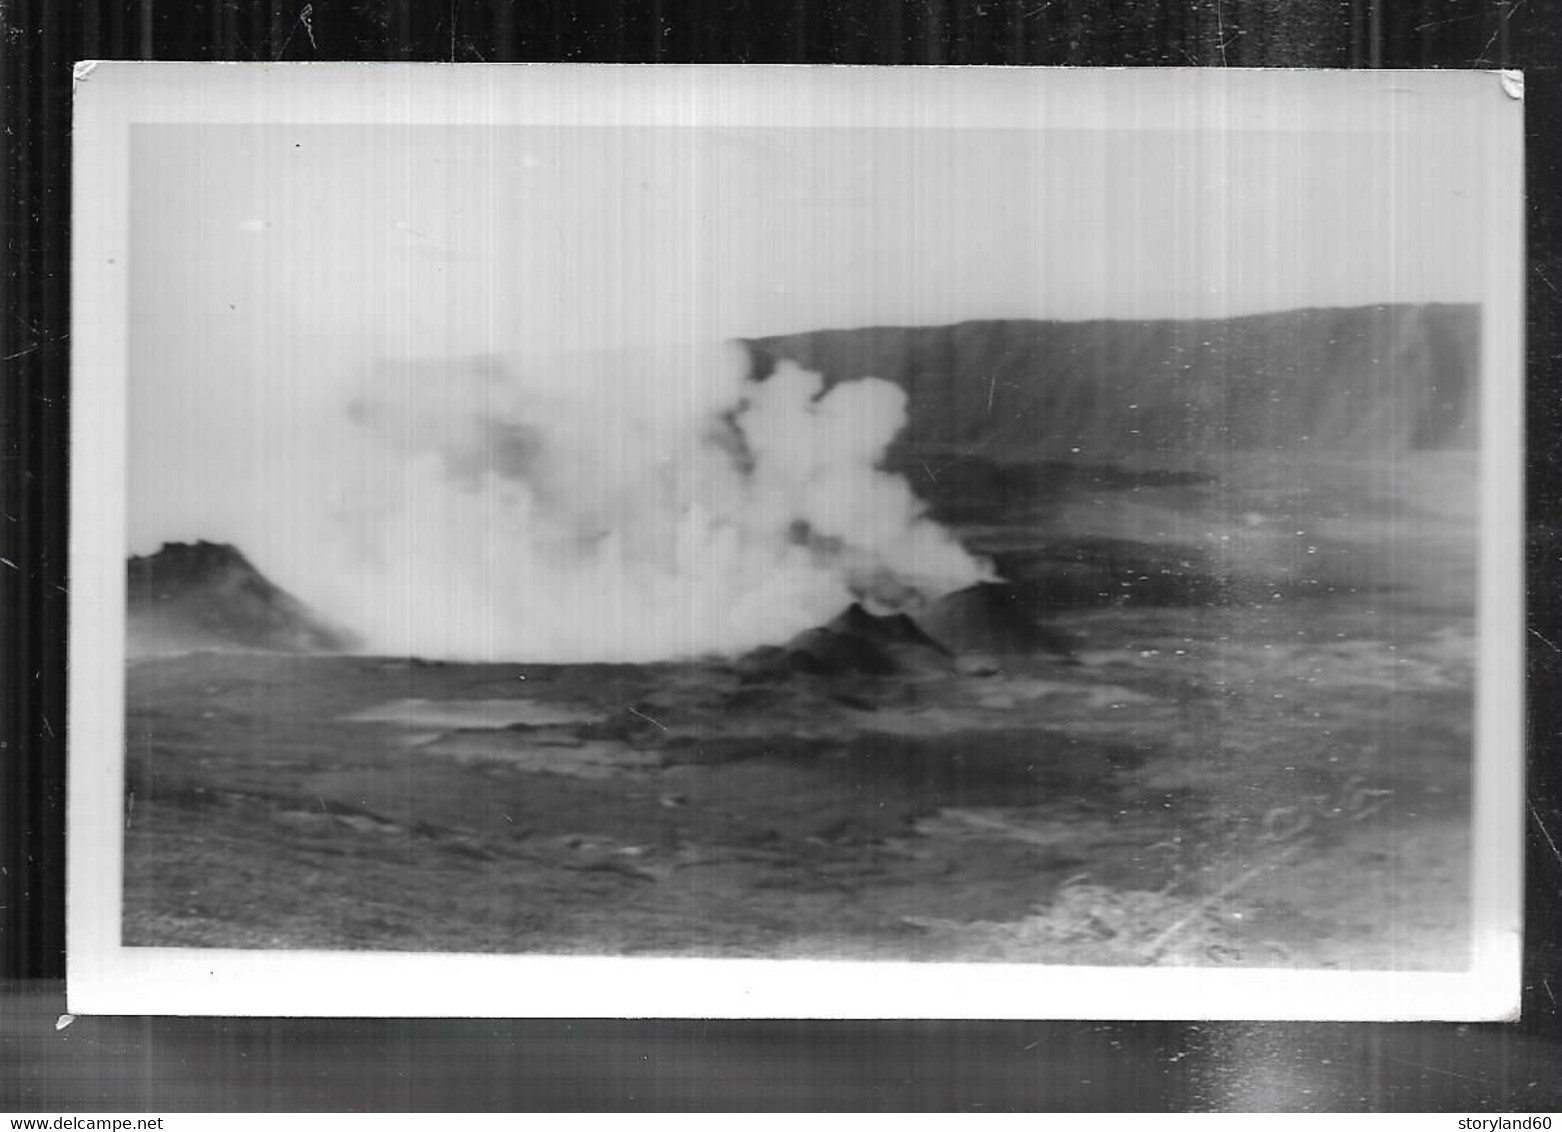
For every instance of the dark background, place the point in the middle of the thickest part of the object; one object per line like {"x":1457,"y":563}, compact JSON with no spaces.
{"x":135,"y":1064}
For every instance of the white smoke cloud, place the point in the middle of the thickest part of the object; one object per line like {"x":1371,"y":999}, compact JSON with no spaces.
{"x":635,"y":506}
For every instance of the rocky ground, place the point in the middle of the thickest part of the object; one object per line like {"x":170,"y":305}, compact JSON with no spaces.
{"x":1240,"y":786}
{"x":1216,"y":715}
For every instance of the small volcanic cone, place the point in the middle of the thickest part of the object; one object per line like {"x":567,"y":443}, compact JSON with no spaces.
{"x":994,"y":618}
{"x":204,"y":595}
{"x":855,"y":642}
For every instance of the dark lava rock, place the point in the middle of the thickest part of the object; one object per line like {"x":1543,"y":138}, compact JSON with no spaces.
{"x":854,"y":643}
{"x":984,"y":621}
{"x":994,"y":619}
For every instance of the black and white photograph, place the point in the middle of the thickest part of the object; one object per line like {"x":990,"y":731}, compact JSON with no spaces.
{"x":718,"y":541}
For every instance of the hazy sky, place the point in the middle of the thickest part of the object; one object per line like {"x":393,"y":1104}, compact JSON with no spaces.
{"x":269,"y":263}
{"x":536,"y":237}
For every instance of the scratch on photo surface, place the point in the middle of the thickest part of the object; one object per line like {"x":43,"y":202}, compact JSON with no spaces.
{"x":1548,"y":641}
{"x":1544,"y":832}
{"x":304,"y":19}
{"x":648,"y":719}
{"x":1441,"y":23}
{"x":39,"y":341}
{"x":1432,"y":1069}
{"x":1502,"y":21}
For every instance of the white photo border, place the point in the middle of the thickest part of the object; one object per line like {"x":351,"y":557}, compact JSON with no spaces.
{"x":105,"y":977}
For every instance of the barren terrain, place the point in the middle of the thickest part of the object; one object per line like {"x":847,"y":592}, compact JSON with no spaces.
{"x":1239,"y":733}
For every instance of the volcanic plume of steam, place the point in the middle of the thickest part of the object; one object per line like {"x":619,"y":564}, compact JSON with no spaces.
{"x":627,"y":507}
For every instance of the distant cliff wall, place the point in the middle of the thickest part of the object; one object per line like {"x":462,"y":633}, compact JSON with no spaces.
{"x":1366,"y":379}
